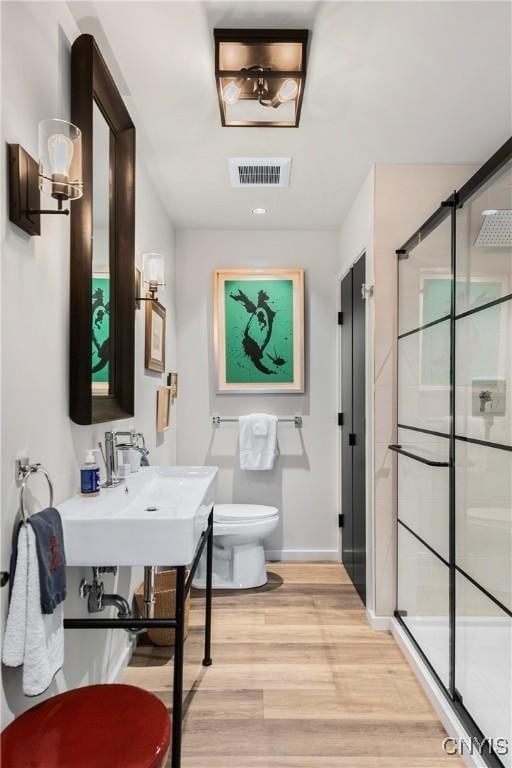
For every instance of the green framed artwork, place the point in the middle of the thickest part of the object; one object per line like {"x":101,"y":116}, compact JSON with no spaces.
{"x":100,"y":351}
{"x":259,"y":330}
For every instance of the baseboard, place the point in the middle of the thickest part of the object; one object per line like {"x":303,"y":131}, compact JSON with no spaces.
{"x":451,"y":722}
{"x":379,"y":623}
{"x":302,"y":554}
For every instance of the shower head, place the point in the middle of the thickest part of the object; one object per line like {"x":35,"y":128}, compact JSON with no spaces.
{"x":496,"y":230}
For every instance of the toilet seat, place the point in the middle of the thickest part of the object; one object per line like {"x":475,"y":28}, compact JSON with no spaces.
{"x":105,"y":726}
{"x":243,"y":513}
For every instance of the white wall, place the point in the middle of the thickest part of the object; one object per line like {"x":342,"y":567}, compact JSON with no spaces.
{"x":393,"y":202}
{"x":303,"y":482}
{"x":35,"y":324}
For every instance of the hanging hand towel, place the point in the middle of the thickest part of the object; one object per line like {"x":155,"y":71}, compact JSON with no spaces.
{"x":47,"y":526}
{"x":258,"y":441}
{"x":32,"y":638}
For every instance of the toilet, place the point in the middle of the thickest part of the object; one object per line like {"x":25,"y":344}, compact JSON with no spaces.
{"x":238,"y":555}
{"x":100,"y":726}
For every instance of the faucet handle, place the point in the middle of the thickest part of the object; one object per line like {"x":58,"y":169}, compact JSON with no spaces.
{"x":84,"y":589}
{"x":94,"y":594}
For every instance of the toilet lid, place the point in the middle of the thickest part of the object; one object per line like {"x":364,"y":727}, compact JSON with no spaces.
{"x":232,"y":513}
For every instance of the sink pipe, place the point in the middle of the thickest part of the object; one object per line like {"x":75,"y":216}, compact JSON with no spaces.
{"x":98,"y":599}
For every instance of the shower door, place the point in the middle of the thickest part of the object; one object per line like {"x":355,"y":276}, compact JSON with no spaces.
{"x":454,"y":452}
{"x":483,"y":471}
{"x":423,"y":443}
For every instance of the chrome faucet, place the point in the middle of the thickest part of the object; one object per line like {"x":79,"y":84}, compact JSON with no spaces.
{"x":110,"y":459}
{"x":133,"y":440}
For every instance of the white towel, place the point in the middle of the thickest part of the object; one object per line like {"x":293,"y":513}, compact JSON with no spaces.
{"x":32,"y":638}
{"x":258,"y":441}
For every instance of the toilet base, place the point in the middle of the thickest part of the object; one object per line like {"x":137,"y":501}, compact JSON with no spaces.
{"x":235,"y":565}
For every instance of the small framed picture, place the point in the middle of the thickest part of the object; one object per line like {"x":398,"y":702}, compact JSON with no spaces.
{"x":172,"y":382}
{"x":163,"y":409}
{"x":154,"y":357}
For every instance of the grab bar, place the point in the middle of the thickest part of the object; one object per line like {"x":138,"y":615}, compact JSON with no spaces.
{"x":24,"y":471}
{"x":430,"y":462}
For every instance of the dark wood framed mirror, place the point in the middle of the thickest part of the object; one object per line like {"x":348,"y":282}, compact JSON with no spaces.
{"x":102,"y":291}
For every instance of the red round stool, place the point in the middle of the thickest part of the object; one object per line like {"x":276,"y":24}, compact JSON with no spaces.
{"x":99,"y":726}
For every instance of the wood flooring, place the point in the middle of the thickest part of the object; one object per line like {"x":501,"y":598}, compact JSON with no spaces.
{"x":299,"y":680}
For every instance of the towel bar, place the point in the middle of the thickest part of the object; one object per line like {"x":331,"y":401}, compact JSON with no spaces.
{"x":24,"y":470}
{"x":296,"y":420}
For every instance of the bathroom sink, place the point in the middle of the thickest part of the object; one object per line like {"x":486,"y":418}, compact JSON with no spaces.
{"x":155,"y":517}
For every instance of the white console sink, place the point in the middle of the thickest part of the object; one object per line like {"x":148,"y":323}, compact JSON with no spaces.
{"x":155,"y":517}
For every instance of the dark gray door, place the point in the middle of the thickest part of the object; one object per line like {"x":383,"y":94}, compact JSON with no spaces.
{"x":353,"y":426}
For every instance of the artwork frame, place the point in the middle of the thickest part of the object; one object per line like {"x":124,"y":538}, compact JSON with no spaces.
{"x":259,"y":336}
{"x":172,"y":382}
{"x":154,"y":346}
{"x":163,"y":409}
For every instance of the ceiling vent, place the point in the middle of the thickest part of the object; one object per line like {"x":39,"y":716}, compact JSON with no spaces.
{"x":259,"y":171}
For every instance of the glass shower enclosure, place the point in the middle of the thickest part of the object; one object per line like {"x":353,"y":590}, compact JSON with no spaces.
{"x":454,"y":451}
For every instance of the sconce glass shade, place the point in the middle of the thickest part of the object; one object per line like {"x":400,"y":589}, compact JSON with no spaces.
{"x":60,"y":159}
{"x":154,"y":270}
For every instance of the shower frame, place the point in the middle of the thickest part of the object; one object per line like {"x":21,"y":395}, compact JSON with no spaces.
{"x":448,"y":210}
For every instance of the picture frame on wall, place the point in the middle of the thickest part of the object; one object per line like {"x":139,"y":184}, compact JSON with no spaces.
{"x":172,"y":382}
{"x":154,"y":348}
{"x":163,"y":409}
{"x":259,"y":330}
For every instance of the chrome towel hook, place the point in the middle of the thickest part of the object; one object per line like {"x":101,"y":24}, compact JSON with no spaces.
{"x":24,"y":469}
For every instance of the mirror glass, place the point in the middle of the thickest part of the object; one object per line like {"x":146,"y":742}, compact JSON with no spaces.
{"x":102,"y":373}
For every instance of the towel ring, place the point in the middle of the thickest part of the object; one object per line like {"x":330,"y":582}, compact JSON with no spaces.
{"x":25,"y":470}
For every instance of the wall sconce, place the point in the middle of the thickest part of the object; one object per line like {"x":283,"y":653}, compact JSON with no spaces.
{"x":58,"y":174}
{"x":154,"y":276}
{"x":260,"y":76}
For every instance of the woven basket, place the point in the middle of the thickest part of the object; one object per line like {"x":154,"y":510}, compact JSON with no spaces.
{"x":165,"y":606}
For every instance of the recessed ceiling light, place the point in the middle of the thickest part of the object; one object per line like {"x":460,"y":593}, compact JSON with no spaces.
{"x":489,"y":212}
{"x":259,"y":211}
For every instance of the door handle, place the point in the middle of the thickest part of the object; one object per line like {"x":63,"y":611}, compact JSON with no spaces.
{"x":430,"y":462}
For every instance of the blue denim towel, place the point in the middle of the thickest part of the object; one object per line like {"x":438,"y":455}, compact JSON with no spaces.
{"x":47,"y":527}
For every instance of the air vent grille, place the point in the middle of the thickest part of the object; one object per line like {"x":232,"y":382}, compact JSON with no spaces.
{"x":259,"y":174}
{"x":259,"y":171}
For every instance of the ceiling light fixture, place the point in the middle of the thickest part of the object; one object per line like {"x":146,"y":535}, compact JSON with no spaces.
{"x":260,"y":76}
{"x":259,"y":211}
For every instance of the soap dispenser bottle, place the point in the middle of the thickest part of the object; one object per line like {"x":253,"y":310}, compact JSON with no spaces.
{"x":89,"y":476}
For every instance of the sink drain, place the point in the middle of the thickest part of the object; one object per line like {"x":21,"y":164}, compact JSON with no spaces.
{"x":151,"y":509}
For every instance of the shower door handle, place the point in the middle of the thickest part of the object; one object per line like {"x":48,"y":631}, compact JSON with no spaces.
{"x":429,"y":462}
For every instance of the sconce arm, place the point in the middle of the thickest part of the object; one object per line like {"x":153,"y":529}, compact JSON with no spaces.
{"x":42,"y":211}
